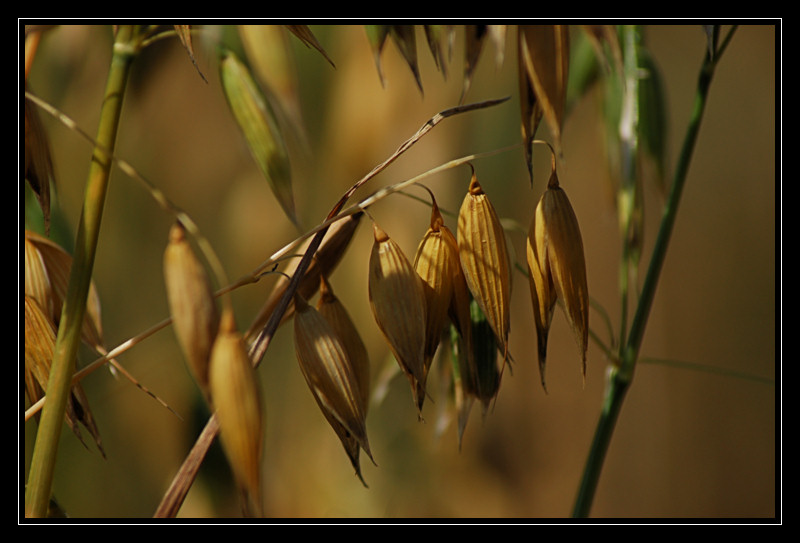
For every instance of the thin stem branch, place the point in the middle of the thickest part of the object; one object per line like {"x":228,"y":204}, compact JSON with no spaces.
{"x":620,"y":377}
{"x":40,"y":477}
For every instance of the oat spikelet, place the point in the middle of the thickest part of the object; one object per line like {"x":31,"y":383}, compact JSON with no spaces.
{"x":398,"y":304}
{"x":236,"y":398}
{"x":434,"y":262}
{"x":485,"y":261}
{"x":191,"y":303}
{"x":329,"y":373}
{"x":40,"y":340}
{"x":557,"y":270}
{"x":332,"y":309}
{"x":47,"y":269}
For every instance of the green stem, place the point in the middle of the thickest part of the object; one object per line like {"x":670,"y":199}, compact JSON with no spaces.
{"x":40,"y":477}
{"x":620,"y":377}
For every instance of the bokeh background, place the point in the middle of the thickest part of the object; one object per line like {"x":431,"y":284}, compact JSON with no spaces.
{"x":689,"y":443}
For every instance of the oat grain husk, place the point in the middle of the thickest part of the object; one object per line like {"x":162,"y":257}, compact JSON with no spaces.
{"x":398,"y":304}
{"x":557,"y":270}
{"x":236,"y":398}
{"x":485,"y":261}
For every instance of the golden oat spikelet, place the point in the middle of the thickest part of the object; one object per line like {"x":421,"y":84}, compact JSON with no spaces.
{"x":40,"y":340}
{"x":195,"y":318}
{"x":398,"y":304}
{"x":332,"y":309}
{"x":47,"y":269}
{"x":236,"y":398}
{"x":485,"y":261}
{"x":557,"y":269}
{"x":437,"y":264}
{"x":330,"y":375}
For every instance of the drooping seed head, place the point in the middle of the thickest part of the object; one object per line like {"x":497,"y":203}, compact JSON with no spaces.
{"x":331,"y":377}
{"x":557,"y":269}
{"x":485,"y":261}
{"x":437,"y":264}
{"x":398,"y":304}
{"x":236,"y":397}
{"x":195,"y":318}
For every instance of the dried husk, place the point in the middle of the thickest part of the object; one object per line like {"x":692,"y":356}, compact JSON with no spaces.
{"x":40,"y":340}
{"x":330,"y":375}
{"x":52,"y":267}
{"x":544,"y":54}
{"x":327,"y":257}
{"x":398,"y":304}
{"x":332,"y":309}
{"x":485,"y":261}
{"x":557,"y":270}
{"x":195,"y":318}
{"x":236,"y":398}
{"x":436,"y":262}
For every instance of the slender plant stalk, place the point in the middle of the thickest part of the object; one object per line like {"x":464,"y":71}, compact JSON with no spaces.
{"x":622,"y":374}
{"x":40,"y":477}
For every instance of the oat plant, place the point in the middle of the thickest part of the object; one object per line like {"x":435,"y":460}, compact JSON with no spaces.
{"x":446,"y":304}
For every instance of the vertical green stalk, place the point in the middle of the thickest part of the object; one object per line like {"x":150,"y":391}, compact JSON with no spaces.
{"x":621,"y":376}
{"x":40,"y":477}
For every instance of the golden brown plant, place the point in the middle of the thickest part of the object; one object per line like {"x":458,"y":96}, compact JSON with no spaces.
{"x":485,"y":260}
{"x":557,"y":270}
{"x":398,"y":303}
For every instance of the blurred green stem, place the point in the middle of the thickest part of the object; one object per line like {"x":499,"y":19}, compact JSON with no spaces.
{"x":40,"y":477}
{"x":620,"y":376}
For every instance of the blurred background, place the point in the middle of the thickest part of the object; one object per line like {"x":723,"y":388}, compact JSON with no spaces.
{"x":689,"y":443}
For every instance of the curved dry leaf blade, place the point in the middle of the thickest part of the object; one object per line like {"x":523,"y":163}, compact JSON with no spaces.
{"x":38,"y":162}
{"x":405,"y":37}
{"x":545,"y":53}
{"x":473,"y":43}
{"x":184,"y":33}
{"x":259,"y":127}
{"x":376,"y":35}
{"x":434,"y":34}
{"x":307,"y":37}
